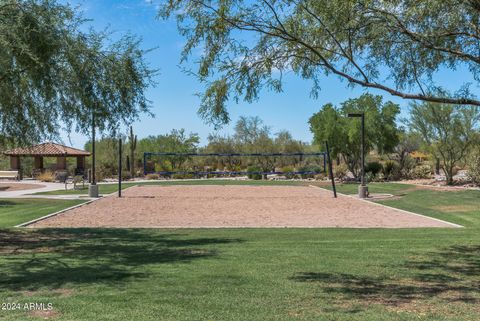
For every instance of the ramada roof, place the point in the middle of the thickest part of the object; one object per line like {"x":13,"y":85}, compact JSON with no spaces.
{"x":47,"y":149}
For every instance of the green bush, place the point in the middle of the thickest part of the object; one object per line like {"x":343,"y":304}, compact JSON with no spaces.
{"x":340,"y":171}
{"x":473,"y":172}
{"x":409,"y":165}
{"x":422,"y":171}
{"x":183,"y":176}
{"x":287,"y":172}
{"x":105,"y":171}
{"x":152,"y":176}
{"x":315,"y":169}
{"x":125,"y":175}
{"x":252,"y":175}
{"x":320,"y":176}
{"x":373,"y":168}
{"x":391,"y":170}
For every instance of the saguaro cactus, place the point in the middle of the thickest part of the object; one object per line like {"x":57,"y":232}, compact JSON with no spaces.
{"x":133,"y":146}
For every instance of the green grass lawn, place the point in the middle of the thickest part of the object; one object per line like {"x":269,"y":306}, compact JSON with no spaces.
{"x":255,"y":274}
{"x":16,"y":211}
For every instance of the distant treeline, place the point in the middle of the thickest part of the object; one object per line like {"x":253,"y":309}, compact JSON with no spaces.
{"x":250,"y":135}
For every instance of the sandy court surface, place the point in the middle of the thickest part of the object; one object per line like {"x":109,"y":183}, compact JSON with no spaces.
{"x":234,"y":206}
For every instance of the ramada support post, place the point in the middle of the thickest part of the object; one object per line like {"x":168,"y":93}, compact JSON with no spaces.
{"x":16,"y":165}
{"x":61,"y":163}
{"x":38,"y":162}
{"x":80,"y":165}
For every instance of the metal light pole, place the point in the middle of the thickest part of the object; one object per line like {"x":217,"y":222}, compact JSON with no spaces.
{"x":119,"y":167}
{"x":362,"y":189}
{"x":93,"y":188}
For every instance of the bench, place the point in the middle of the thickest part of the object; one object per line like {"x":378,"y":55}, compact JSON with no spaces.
{"x":75,"y":181}
{"x":9,"y":175}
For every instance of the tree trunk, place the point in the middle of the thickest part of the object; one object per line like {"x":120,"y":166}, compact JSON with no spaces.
{"x":449,"y":175}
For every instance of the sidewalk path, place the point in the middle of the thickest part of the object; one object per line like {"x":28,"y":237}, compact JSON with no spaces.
{"x":45,"y":187}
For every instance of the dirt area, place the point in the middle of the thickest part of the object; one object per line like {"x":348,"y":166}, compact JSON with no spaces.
{"x":234,"y":206}
{"x":10,"y":187}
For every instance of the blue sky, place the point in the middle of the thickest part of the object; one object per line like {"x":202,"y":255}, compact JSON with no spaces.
{"x":174,"y":102}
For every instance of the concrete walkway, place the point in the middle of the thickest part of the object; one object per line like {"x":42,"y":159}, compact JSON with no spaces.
{"x":45,"y":187}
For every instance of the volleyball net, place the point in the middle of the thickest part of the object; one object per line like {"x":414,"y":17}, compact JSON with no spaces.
{"x":234,"y":164}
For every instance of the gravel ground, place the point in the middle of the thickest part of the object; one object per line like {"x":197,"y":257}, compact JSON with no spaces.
{"x":235,"y":206}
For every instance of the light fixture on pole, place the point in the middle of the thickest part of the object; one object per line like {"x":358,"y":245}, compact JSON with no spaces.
{"x":362,"y":189}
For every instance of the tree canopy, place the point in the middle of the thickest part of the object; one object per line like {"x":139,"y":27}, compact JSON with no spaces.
{"x":54,"y":76}
{"x":343,"y":134}
{"x":449,"y":132}
{"x":394,"y":46}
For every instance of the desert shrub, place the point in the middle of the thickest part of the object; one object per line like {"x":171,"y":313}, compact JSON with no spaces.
{"x":183,"y":176}
{"x":422,"y":171}
{"x":163,"y":166}
{"x":287,"y":172}
{"x":391,"y":170}
{"x":373,"y":169}
{"x":126,"y":175}
{"x":152,"y":176}
{"x":320,"y":176}
{"x":46,"y":176}
{"x":473,"y":172}
{"x":251,"y":172}
{"x":313,"y":169}
{"x":61,"y":176}
{"x":369,"y":177}
{"x":340,"y":171}
{"x":105,"y":171}
{"x":455,"y":170}
{"x":409,"y":164}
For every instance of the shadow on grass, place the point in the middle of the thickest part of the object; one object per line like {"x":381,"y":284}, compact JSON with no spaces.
{"x":451,"y":275}
{"x":7,"y":203}
{"x":51,"y":257}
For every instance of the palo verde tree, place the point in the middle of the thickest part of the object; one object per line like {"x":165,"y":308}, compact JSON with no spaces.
{"x":54,"y":76}
{"x":106,"y":83}
{"x":392,"y":46}
{"x":176,"y":141}
{"x":253,"y":136}
{"x":343,"y":134}
{"x":449,"y":132}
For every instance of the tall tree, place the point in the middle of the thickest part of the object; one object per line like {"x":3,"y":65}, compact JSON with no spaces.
{"x":52,"y":75}
{"x":249,"y":45}
{"x":408,"y":142}
{"x":253,"y":136}
{"x":177,"y":141}
{"x":218,"y":144}
{"x":343,"y":134}
{"x":286,"y":144}
{"x":448,"y":131}
{"x":250,"y":129}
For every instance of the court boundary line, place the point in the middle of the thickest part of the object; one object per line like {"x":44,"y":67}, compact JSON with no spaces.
{"x":391,"y":207}
{"x":26,"y":224}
